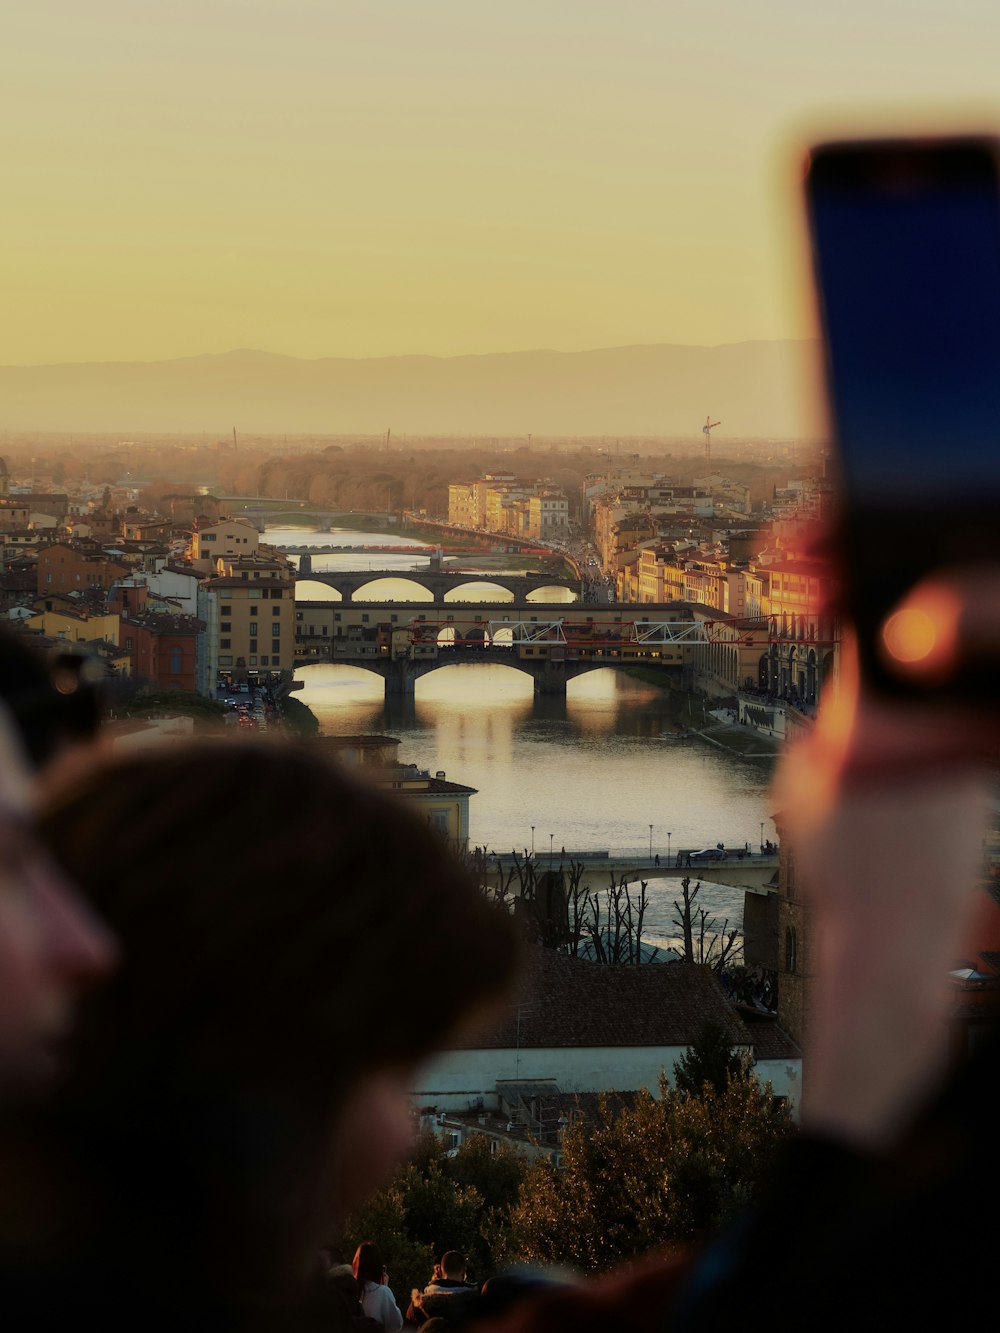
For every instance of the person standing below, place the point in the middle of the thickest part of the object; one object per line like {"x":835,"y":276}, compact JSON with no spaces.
{"x":450,"y":1296}
{"x":377,"y":1301}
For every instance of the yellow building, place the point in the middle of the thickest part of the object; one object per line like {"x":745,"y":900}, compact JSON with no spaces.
{"x":548,"y":515}
{"x":231,"y":538}
{"x":462,"y":507}
{"x":252,"y":628}
{"x":76,"y":626}
{"x":444,"y":804}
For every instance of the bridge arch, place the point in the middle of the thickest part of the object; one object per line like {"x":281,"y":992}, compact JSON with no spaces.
{"x":373,"y":591}
{"x":545,"y":594}
{"x":480,"y":591}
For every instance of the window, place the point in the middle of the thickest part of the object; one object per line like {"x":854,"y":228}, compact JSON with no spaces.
{"x":175,"y":661}
{"x":263,"y":661}
{"x":129,"y":644}
{"x":326,"y":630}
{"x":275,"y":610}
{"x":253,"y":629}
{"x":225,"y":661}
{"x":253,"y":661}
{"x":275,"y":645}
{"x":275,"y":661}
{"x":226,"y":610}
{"x":225,"y":643}
{"x":254,"y":609}
{"x":226,"y":627}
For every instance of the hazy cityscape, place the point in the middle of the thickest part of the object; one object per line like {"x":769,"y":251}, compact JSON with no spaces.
{"x":469,"y":872}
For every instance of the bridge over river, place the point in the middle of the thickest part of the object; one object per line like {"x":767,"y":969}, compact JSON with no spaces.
{"x":754,"y":872}
{"x":438,"y":582}
{"x":553,"y":643}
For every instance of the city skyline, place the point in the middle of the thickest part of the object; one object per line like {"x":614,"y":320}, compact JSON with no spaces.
{"x":369,"y":180}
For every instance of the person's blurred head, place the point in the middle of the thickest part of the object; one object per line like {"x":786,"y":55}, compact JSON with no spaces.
{"x":368,"y":1263}
{"x":50,"y":944}
{"x":294,"y":943}
{"x":53,"y":699}
{"x":453,"y":1265}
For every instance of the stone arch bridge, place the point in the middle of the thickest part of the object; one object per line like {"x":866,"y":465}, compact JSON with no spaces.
{"x":554,"y":643}
{"x":437,"y":582}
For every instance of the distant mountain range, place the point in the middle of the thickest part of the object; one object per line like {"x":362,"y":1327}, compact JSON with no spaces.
{"x":754,"y":388}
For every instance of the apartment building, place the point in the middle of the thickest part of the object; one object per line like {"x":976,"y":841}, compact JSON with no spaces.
{"x":64,"y":568}
{"x":228,"y":539}
{"x":252,"y":624}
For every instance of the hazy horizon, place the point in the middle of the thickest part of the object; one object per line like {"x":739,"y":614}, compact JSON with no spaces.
{"x":359,"y":181}
{"x":270,"y":353}
{"x":755,"y":388}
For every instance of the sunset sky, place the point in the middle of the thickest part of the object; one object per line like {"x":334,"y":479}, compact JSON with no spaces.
{"x":374,"y":177}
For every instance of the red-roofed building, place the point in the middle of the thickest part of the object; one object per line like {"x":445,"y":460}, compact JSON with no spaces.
{"x":163,"y":649}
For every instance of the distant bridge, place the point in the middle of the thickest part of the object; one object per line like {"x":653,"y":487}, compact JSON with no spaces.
{"x":260,"y":508}
{"x":437,"y":582}
{"x":754,"y":871}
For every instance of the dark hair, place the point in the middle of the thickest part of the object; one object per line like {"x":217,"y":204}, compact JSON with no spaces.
{"x":274,"y":915}
{"x":453,"y":1262}
{"x":368,"y":1263}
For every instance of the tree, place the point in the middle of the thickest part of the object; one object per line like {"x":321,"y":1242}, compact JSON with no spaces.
{"x":703,"y":942}
{"x":439,"y":1202}
{"x":667,"y":1170}
{"x":560,"y":913}
{"x":709,"y":1061}
{"x":174,"y":703}
{"x":299,"y":718}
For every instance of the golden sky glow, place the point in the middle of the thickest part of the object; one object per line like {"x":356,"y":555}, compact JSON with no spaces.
{"x":373,"y":177}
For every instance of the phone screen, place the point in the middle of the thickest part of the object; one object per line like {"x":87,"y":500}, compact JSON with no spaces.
{"x":907,"y":243}
{"x":906,"y":251}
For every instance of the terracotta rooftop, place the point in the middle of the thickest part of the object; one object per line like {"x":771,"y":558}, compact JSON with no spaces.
{"x":770,"y":1042}
{"x":568,"y":1002}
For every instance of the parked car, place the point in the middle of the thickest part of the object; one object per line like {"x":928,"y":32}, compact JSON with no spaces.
{"x":709,"y":854}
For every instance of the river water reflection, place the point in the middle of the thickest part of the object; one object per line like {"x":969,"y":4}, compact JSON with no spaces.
{"x":592,"y":775}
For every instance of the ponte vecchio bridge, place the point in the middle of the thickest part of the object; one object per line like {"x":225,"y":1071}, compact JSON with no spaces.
{"x":551,"y":642}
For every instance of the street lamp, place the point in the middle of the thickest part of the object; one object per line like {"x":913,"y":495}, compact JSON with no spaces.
{"x":551,"y":840}
{"x":532,"y":840}
{"x":762,"y":837}
{"x":668,"y":849}
{"x":651,"y":842}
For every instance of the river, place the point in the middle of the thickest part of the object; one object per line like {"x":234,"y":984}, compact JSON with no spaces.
{"x":593,"y":775}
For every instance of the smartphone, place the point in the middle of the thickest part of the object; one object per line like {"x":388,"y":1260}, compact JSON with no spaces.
{"x":905,"y":238}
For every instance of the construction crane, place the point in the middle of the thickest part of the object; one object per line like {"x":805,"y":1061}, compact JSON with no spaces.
{"x":706,"y":430}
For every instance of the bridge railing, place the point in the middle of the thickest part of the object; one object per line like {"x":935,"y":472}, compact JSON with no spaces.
{"x":639,"y":855}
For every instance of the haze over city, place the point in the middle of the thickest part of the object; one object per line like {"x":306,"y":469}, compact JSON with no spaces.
{"x":367,"y":180}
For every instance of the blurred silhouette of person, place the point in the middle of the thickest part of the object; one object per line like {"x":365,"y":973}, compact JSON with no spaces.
{"x":242,"y":1082}
{"x":51,"y":945}
{"x":54,"y":699}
